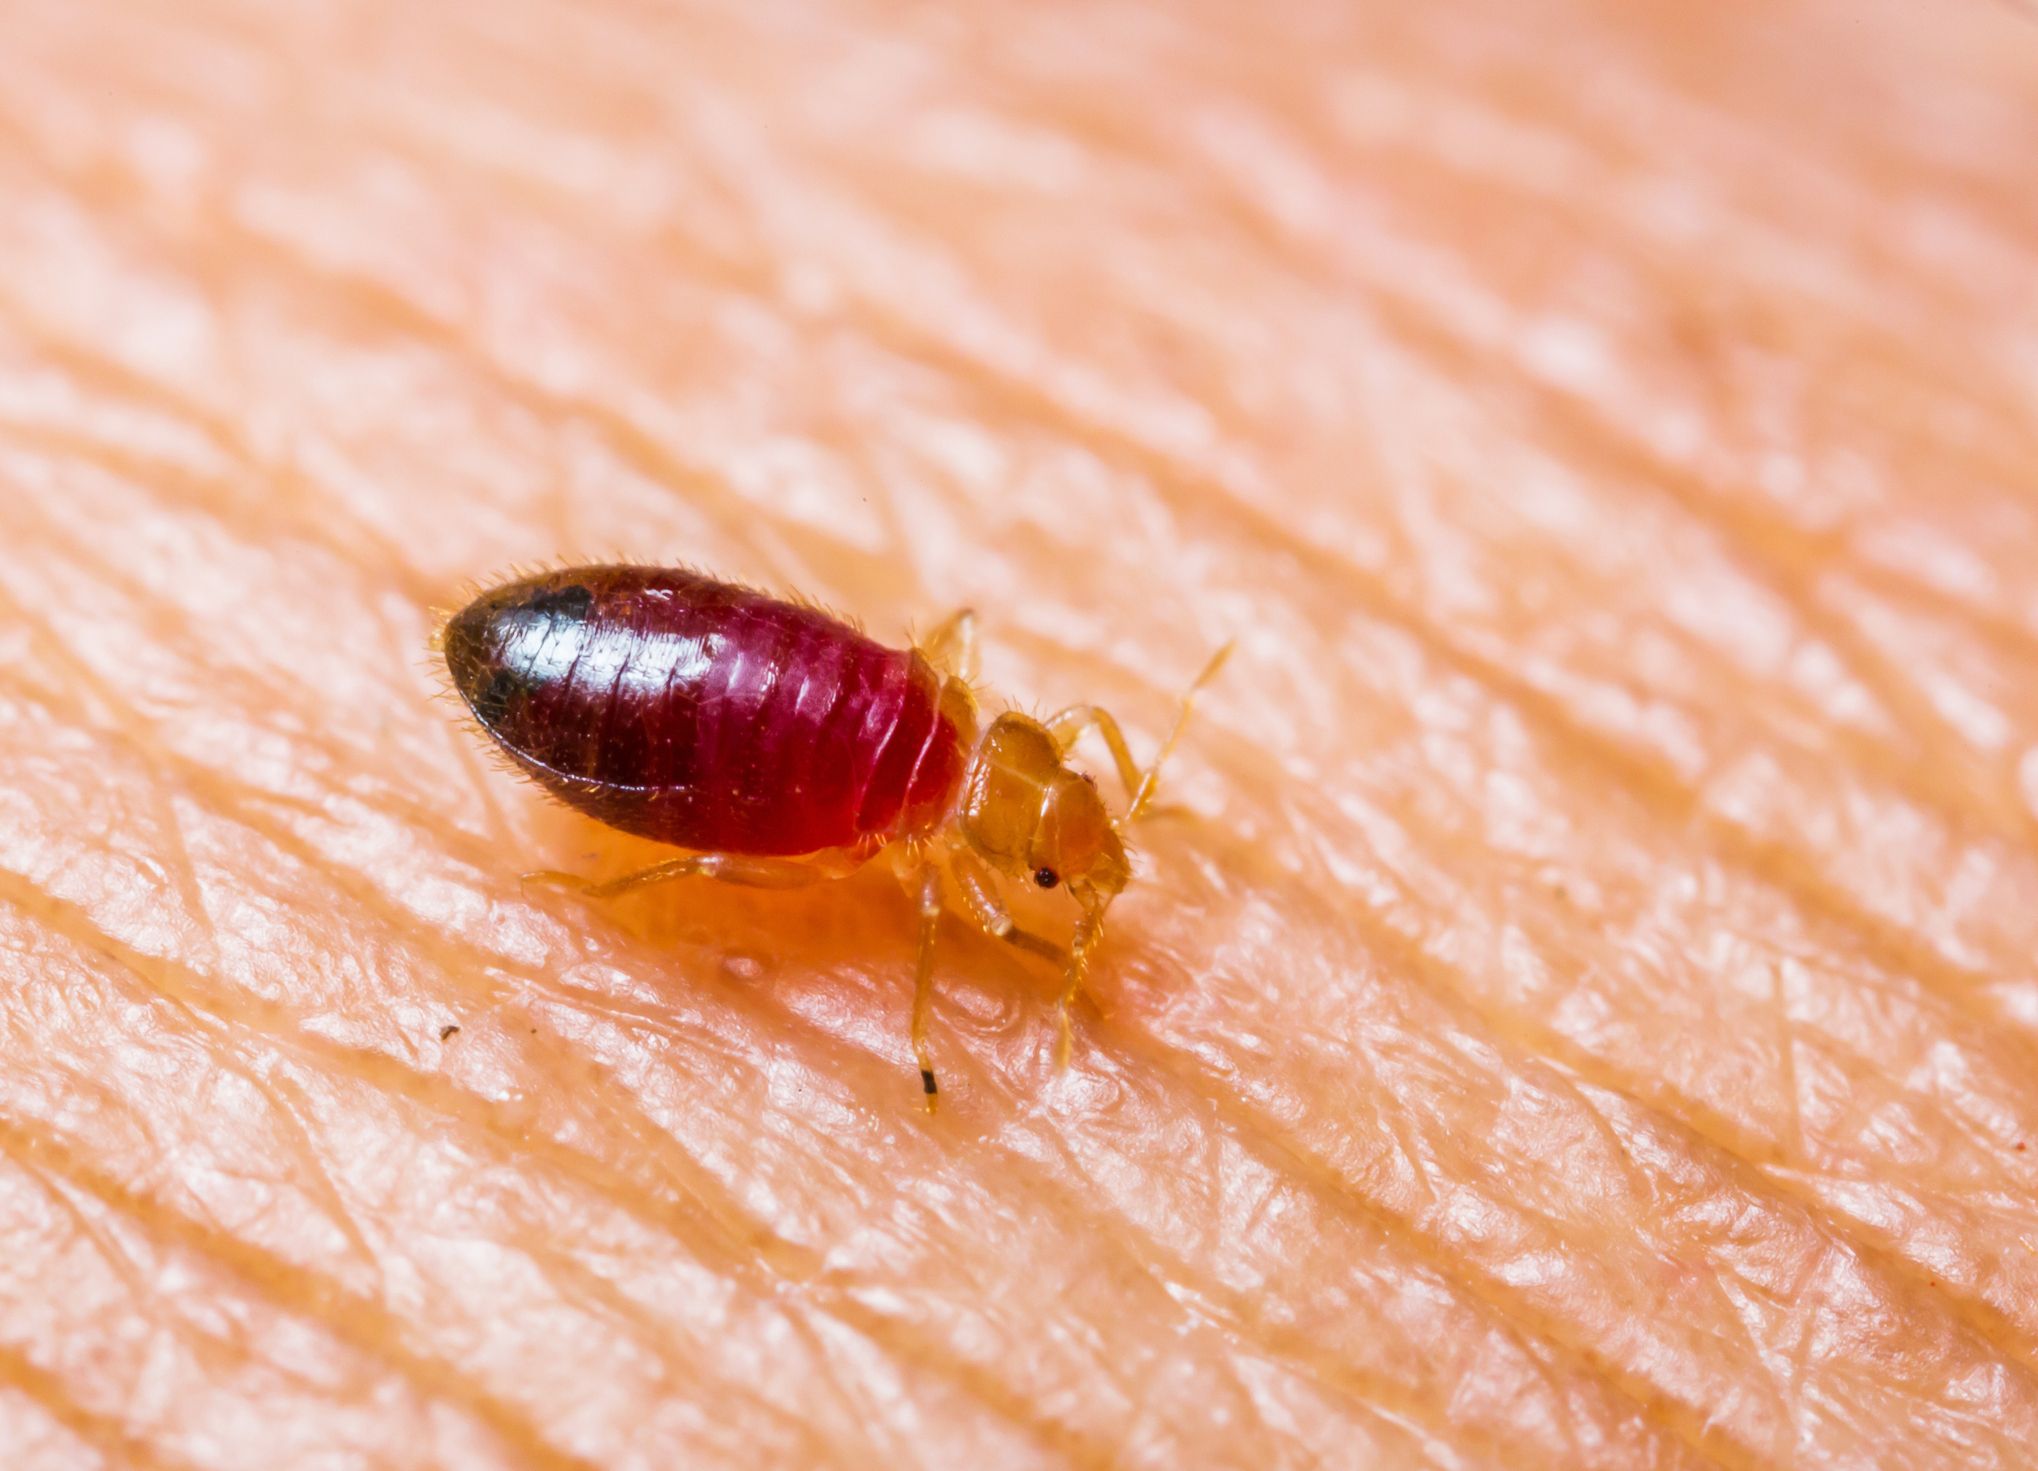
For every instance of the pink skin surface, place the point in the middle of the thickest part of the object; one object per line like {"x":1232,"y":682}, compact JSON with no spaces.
{"x":1583,"y":1016}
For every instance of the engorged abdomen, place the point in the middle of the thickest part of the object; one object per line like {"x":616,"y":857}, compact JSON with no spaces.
{"x":703,"y":714}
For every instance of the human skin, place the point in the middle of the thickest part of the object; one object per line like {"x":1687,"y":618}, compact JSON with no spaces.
{"x":1583,"y":1011}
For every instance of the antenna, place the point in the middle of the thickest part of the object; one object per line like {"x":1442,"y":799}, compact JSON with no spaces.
{"x":1151,"y":778}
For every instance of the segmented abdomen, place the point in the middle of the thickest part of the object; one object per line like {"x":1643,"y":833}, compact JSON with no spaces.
{"x":706,"y":715}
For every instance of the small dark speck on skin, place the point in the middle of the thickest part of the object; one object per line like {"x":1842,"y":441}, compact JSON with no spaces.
{"x":2020,"y":1146}
{"x":448,"y":1030}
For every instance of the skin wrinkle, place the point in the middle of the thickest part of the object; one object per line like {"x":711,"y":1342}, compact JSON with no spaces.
{"x":1670,"y":1121}
{"x":292,"y":1108}
{"x":1963,"y":805}
{"x":105,"y":1434}
{"x":1360,"y":1386}
{"x":730,"y":1245}
{"x":1521,"y":1316}
{"x":729,"y":1263}
{"x":986,"y":1383}
{"x":1162,"y":471}
{"x":640,"y":1322}
{"x":1335,"y":1377}
{"x":1906,"y":958}
{"x":1235,"y":1316}
{"x":643,"y":453}
{"x":222,"y":787}
{"x":416,"y":316}
{"x":212,"y":1344}
{"x":1069,"y":1444}
{"x":270,"y":1089}
{"x":53,"y":352}
{"x":1825,"y":625}
{"x":192,"y":635}
{"x":1767,"y":862}
{"x":656,"y":462}
{"x":1664,"y":1100}
{"x":384,"y":1084}
{"x":1683,"y":1114}
{"x":895,"y":1443}
{"x":1397,"y":1228}
{"x":1172,"y":487}
{"x":226,"y":794}
{"x":1344,"y":1380}
{"x":1370,"y":276}
{"x":353,"y":1320}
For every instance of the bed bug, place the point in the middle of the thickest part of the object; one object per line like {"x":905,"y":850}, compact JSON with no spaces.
{"x":781,"y":746}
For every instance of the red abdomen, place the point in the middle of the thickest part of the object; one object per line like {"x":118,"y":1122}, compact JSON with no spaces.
{"x":705,"y":715}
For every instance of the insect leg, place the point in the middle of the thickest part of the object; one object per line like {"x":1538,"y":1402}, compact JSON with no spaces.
{"x":923,"y":978}
{"x":729,"y":868}
{"x":987,"y":910}
{"x":952,"y":646}
{"x":1072,"y":722}
{"x":1088,"y":928}
{"x":1144,"y":795}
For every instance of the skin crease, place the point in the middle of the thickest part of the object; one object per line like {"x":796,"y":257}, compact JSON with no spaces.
{"x":1586,"y":1016}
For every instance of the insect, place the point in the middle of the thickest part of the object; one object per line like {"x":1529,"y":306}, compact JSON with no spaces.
{"x":782,"y":747}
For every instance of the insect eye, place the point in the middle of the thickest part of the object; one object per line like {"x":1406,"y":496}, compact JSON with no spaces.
{"x":1047,"y":878}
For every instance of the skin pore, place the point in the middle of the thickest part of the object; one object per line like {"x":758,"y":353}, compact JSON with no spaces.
{"x":1582,"y":1014}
